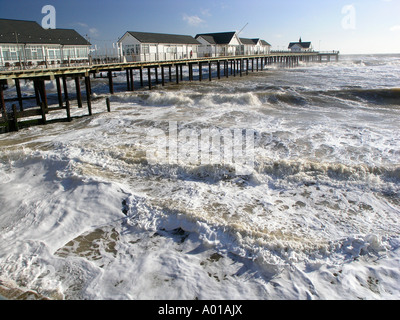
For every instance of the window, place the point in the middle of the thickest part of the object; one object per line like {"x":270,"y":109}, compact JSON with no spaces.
{"x":82,"y":53}
{"x":10,"y":53}
{"x":146,"y":48}
{"x":34,"y":53}
{"x":69,"y":53}
{"x":129,"y":50}
{"x":53,"y":53}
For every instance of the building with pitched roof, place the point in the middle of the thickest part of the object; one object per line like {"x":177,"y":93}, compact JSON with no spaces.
{"x":145,"y":46}
{"x":255,"y":46}
{"x":26,"y":44}
{"x":300,"y":46}
{"x":219,"y":44}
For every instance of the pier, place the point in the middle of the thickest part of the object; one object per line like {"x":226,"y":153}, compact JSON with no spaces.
{"x":164,"y":72}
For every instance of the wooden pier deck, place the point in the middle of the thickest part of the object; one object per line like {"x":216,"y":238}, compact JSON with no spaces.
{"x":169,"y":71}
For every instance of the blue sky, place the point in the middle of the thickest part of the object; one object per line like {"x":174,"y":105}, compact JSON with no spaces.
{"x":367,"y":26}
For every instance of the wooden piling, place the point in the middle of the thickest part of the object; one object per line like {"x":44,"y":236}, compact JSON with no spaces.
{"x":15,"y":118}
{"x":128,"y":81}
{"x":110,"y":82}
{"x":108,"y":104}
{"x":200,"y":72}
{"x":162,"y":76}
{"x":88,"y":95}
{"x":170,"y":73}
{"x":3,"y":103}
{"x":36,"y":88}
{"x":78,"y":91}
{"x":131,"y":80}
{"x":177,"y":73}
{"x":156,"y":74}
{"x":209,"y":71}
{"x":67,"y":105}
{"x":149,"y":77}
{"x":43,"y":113}
{"x":141,"y":76}
{"x":190,"y":72}
{"x":59,"y":92}
{"x":43,"y":93}
{"x":19,"y":95}
{"x":219,"y":69}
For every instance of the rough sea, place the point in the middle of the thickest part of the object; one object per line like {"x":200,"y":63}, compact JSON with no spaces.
{"x":283,"y":184}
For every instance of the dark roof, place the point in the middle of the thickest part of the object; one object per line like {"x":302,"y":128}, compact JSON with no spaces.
{"x":248,"y":41}
{"x":304,"y":45}
{"x":146,"y":37}
{"x":254,"y":41}
{"x":265,"y":43}
{"x":217,"y":38}
{"x":31,"y":32}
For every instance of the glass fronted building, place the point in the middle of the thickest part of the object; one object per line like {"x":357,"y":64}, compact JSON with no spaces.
{"x":25,"y":44}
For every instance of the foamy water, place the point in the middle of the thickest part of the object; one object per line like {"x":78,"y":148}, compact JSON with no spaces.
{"x":86,"y":215}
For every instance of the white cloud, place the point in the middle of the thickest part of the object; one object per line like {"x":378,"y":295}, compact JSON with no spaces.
{"x":94,"y":32}
{"x":395,"y":28}
{"x":82,"y":24}
{"x":205,"y":12}
{"x":192,"y":20}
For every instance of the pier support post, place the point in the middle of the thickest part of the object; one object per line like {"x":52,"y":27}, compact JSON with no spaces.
{"x":181,"y":70}
{"x":200,"y":72}
{"x":108,"y":104}
{"x":43,"y":93}
{"x":36,"y":88}
{"x":219,"y":69}
{"x":43,"y":112}
{"x":59,"y":92}
{"x":209,"y":71}
{"x":14,"y":122}
{"x":131,"y":79}
{"x":88,"y":94}
{"x":67,"y":105}
{"x":78,"y":92}
{"x":190,"y":72}
{"x":149,"y":77}
{"x":247,"y":66}
{"x":110,"y":82}
{"x":19,"y":95}
{"x":128,"y":80}
{"x":177,"y":73}
{"x":3,"y":104}
{"x":162,"y":76}
{"x":156,"y":74}
{"x":141,"y":77}
{"x":170,"y":73}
